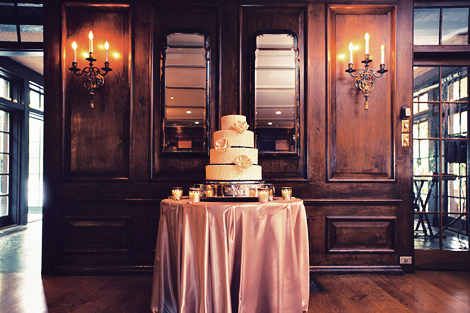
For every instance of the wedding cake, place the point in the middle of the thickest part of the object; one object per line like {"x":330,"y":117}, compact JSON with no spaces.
{"x":233,"y":157}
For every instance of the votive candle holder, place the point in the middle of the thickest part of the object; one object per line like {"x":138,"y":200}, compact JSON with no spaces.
{"x":194,"y":195}
{"x":286,"y":193}
{"x":177,"y":192}
{"x":253,"y":192}
{"x":263,"y":195}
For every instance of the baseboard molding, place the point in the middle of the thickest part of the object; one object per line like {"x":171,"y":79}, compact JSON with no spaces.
{"x":358,"y":269}
{"x":100,"y":270}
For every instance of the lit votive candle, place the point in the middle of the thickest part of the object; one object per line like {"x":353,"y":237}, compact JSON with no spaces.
{"x":177,"y":192}
{"x":209,"y":192}
{"x":286,"y":193}
{"x":263,"y":194}
{"x":194,"y":194}
{"x":252,"y":192}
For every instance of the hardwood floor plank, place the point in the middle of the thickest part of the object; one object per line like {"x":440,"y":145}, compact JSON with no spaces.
{"x":353,"y":293}
{"x":455,"y":283}
{"x":418,"y":295}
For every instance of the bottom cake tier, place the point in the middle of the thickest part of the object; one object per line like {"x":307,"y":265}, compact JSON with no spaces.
{"x":232,"y":173}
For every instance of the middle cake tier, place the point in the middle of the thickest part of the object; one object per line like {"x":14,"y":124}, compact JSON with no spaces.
{"x":230,"y":155}
{"x":236,"y":139}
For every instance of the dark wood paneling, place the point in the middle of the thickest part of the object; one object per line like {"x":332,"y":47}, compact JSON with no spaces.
{"x":87,"y":234}
{"x":360,"y":141}
{"x":190,"y":167}
{"x":352,"y":233}
{"x":97,"y":139}
{"x":360,"y":234}
{"x":254,"y":20}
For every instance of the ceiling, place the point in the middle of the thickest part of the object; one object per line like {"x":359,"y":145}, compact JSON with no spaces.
{"x":36,"y":63}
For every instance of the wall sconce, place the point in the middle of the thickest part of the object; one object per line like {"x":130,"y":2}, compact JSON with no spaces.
{"x":364,"y":80}
{"x":93,"y":77}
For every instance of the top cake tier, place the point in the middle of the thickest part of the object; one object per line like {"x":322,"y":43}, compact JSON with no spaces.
{"x":233,"y":122}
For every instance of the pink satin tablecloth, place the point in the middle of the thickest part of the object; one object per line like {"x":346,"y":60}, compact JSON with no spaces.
{"x":223,"y":257}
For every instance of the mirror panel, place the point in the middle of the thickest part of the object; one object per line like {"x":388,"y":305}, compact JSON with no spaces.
{"x":277,"y":93}
{"x":185,"y":61}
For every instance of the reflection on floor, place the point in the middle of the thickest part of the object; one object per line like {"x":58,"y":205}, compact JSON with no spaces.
{"x":23,"y":289}
{"x":20,"y":248}
{"x":451,"y":240}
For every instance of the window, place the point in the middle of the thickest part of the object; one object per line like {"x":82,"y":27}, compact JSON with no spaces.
{"x":21,"y":22}
{"x":441,"y":26}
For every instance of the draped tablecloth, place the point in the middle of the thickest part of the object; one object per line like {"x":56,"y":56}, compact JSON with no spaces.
{"x":223,"y":257}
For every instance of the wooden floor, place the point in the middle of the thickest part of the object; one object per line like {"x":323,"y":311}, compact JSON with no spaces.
{"x":23,"y":289}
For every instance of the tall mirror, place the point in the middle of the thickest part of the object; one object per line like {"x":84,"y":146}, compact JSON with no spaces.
{"x":185,"y":94}
{"x":277,"y":93}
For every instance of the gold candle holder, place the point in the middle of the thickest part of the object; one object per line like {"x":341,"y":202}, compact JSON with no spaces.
{"x":253,"y":192}
{"x":177,"y":192}
{"x":209,"y":192}
{"x":286,"y":193}
{"x":263,"y":195}
{"x":194,"y":195}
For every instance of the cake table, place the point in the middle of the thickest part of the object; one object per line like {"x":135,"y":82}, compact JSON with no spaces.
{"x":231,"y":257}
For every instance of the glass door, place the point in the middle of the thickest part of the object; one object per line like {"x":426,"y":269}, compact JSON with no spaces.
{"x":5,"y":212}
{"x":440,"y":157}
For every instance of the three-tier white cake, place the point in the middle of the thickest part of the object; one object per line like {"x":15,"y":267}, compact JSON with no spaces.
{"x":233,"y":157}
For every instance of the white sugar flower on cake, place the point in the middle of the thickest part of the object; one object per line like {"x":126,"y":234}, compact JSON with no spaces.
{"x":222,"y":145}
{"x":240,"y":126}
{"x":243,"y":162}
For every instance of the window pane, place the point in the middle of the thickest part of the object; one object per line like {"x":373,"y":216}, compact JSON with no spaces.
{"x":3,"y":206}
{"x":4,"y":89}
{"x":8,"y":32}
{"x":4,"y":142}
{"x":426,"y":83}
{"x":426,"y":26}
{"x":453,"y":79}
{"x":4,"y":180}
{"x":4,"y":163}
{"x":31,"y":33}
{"x":454,"y":120}
{"x":455,"y":26}
{"x":455,"y":151}
{"x":4,"y":121}
{"x":35,"y":185}
{"x":425,"y":157}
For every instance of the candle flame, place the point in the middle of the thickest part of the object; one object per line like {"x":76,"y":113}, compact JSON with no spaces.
{"x":90,"y":35}
{"x":366,"y":36}
{"x":106,"y":45}
{"x":382,"y":47}
{"x":74,"y":45}
{"x":351,"y":46}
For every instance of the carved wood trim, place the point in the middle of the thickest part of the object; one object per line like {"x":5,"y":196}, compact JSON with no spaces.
{"x":361,"y":234}
{"x":83,"y":234}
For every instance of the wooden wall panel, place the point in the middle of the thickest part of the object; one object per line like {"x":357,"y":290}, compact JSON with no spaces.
{"x":96,"y":143}
{"x":360,"y":141}
{"x":87,"y":234}
{"x":361,"y":234}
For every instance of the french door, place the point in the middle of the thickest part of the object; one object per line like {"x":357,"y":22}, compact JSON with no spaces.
{"x":440,"y":160}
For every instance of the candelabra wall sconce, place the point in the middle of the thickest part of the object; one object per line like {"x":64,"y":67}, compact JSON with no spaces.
{"x":364,"y":79}
{"x":92,"y":76}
